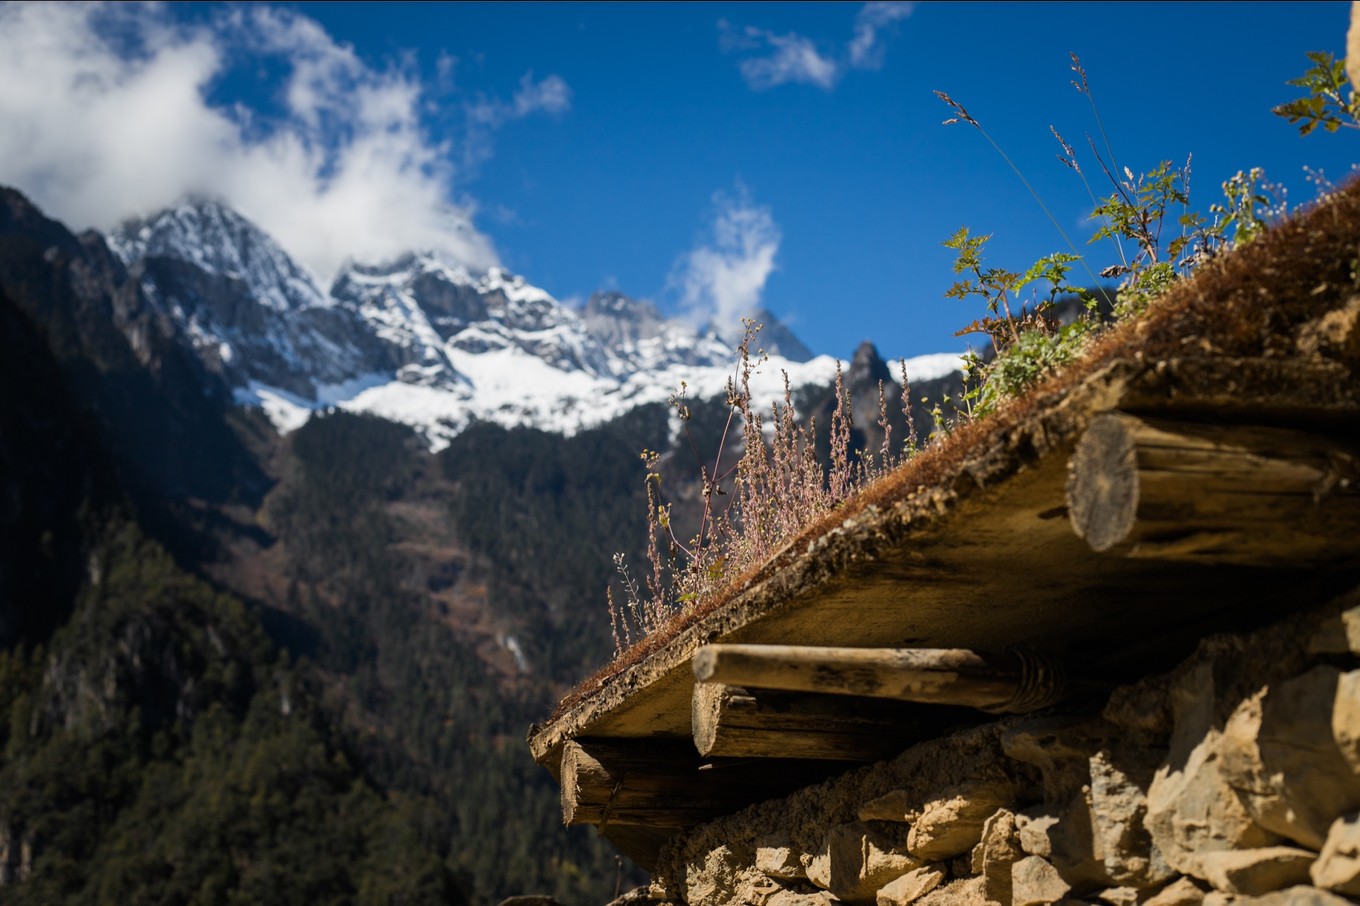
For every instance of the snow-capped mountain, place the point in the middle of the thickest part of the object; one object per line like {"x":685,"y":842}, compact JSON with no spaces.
{"x":251,"y":313}
{"x":220,"y":242}
{"x":421,"y":339}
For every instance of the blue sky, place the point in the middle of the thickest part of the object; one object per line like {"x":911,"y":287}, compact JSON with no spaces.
{"x":707,"y":156}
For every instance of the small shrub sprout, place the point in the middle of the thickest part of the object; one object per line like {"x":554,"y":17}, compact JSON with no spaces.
{"x":1331,"y":102}
{"x":778,"y":485}
{"x":1139,"y":216}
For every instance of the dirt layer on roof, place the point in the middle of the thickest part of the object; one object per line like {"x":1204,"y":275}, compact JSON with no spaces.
{"x":1288,"y":302}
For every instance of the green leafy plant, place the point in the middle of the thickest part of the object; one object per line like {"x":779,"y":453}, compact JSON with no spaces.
{"x":999,"y":287}
{"x":1137,"y":210}
{"x":1022,"y":333}
{"x":779,"y":486}
{"x":1138,"y":217}
{"x":1331,"y":102}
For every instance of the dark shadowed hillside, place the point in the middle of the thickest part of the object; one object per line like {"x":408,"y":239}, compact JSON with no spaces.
{"x":157,"y":747}
{"x":245,"y":662}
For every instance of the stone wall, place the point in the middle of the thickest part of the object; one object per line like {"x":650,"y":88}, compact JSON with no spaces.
{"x":1234,"y":778}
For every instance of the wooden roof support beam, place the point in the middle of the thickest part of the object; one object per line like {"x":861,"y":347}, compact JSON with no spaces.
{"x":732,"y":722}
{"x":630,"y":782}
{"x":1215,"y":493}
{"x":1010,"y":682}
{"x":663,"y":784}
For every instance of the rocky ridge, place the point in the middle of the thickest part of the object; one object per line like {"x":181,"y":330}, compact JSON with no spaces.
{"x":421,"y":339}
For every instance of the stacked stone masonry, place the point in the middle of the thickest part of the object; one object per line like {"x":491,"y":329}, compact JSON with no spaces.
{"x":1232,"y":779}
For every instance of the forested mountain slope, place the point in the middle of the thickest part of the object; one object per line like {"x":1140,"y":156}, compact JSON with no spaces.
{"x":239,"y":661}
{"x":157,"y":748}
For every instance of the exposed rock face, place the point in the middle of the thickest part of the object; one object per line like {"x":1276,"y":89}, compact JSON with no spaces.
{"x":158,"y":404}
{"x":911,"y":886}
{"x":1034,"y":882}
{"x":1338,"y":866}
{"x":999,"y":849}
{"x":1191,"y":808}
{"x":1339,"y":634}
{"x":1279,"y":754}
{"x":894,"y":806}
{"x":248,"y":310}
{"x":1346,"y":719}
{"x":777,"y":858}
{"x":1292,"y":896}
{"x":859,"y":858}
{"x":1118,"y":806}
{"x":1063,"y":837}
{"x":1257,"y":871}
{"x":1230,"y":780}
{"x":952,"y":825}
{"x":1181,"y":892}
{"x":721,"y":877}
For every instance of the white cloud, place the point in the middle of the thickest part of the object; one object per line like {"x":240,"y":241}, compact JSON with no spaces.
{"x":551,"y":95}
{"x":323,"y":71}
{"x":794,"y":58}
{"x":106,"y":116}
{"x":723,"y":278}
{"x":866,"y":47}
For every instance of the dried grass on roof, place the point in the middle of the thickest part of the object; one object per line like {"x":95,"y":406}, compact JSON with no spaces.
{"x":1251,"y":303}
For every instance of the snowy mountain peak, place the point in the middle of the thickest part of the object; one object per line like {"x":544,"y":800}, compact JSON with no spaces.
{"x":618,"y":319}
{"x":514,"y":287}
{"x":774,"y":337}
{"x":218,"y":240}
{"x":420,"y":339}
{"x":404,"y":267}
{"x":612,"y":303}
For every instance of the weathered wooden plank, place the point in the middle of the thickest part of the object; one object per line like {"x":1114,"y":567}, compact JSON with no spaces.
{"x":663,"y":783}
{"x":1233,"y":494}
{"x":732,"y":722}
{"x":629,"y":783}
{"x":941,"y":568}
{"x":1010,"y":682}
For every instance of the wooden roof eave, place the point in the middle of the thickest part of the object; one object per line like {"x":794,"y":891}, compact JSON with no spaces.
{"x":889,"y":572}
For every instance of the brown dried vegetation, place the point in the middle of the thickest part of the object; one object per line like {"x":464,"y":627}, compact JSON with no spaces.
{"x":1270,"y":299}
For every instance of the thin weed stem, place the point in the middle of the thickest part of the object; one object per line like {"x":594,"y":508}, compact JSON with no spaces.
{"x":1085,"y":88}
{"x":963,"y":114}
{"x":779,"y":485}
{"x":1069,"y":159}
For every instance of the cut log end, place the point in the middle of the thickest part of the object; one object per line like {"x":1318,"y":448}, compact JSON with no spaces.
{"x":705,"y":663}
{"x":706,"y":707}
{"x":1215,"y":493}
{"x":1102,"y":483}
{"x":584,"y":779}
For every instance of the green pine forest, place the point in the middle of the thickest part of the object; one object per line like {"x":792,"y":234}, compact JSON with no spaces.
{"x":222,"y":681}
{"x":243,"y":668}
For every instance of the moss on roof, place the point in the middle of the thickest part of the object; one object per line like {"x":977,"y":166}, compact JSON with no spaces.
{"x":1289,"y":296}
